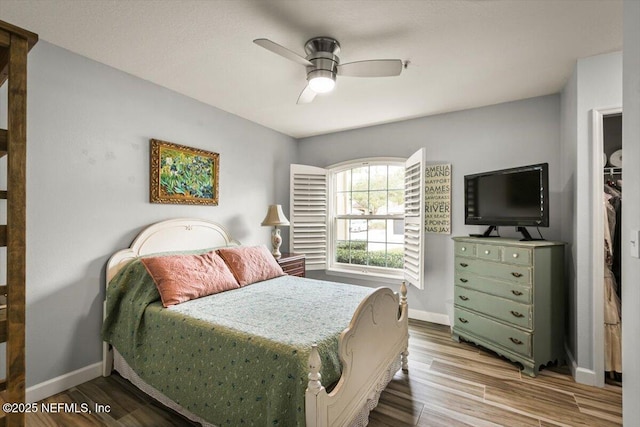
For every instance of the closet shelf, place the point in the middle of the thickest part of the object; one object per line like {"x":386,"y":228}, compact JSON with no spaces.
{"x":612,"y":170}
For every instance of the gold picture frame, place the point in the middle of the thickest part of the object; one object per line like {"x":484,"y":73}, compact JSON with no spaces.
{"x":183,"y":175}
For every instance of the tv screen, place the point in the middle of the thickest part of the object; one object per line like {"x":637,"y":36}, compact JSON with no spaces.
{"x":517,"y":196}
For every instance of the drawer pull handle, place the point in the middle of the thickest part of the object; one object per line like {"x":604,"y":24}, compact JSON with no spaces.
{"x":463,"y":298}
{"x":487,"y":252}
{"x":515,"y":255}
{"x":516,"y":293}
{"x":463,"y":264}
{"x":514,"y":274}
{"x":463,"y":280}
{"x":463,"y":320}
{"x":515,"y":341}
{"x":463,"y":249}
{"x":516,"y":314}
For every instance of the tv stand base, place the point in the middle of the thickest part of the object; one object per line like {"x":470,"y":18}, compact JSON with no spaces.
{"x":526,"y":236}
{"x":487,"y":232}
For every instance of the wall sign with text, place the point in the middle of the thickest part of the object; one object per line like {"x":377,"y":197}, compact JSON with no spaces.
{"x":438,"y":198}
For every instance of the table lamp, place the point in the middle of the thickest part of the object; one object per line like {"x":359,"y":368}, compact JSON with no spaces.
{"x":275,"y":217}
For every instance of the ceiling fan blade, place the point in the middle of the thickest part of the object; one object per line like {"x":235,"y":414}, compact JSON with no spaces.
{"x":306,"y":96}
{"x":282,"y":51}
{"x":372,"y":68}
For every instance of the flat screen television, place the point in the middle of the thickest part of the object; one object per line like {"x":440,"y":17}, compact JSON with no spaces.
{"x":517,"y":197}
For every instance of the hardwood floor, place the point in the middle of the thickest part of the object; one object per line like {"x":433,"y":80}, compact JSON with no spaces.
{"x":459,"y":384}
{"x":449,"y":384}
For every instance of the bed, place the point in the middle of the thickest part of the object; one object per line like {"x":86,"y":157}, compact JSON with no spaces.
{"x":232,"y":366}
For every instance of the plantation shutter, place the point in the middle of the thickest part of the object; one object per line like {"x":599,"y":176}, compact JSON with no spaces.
{"x":414,"y":219}
{"x":308,"y":214}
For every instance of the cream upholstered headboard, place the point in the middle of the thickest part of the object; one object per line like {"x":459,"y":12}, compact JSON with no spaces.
{"x":181,"y":234}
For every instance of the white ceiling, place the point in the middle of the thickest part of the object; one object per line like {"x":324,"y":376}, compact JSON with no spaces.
{"x":463,"y":54}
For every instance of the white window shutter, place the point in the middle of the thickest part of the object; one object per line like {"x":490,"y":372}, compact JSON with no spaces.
{"x":414,"y":219}
{"x":308,"y":214}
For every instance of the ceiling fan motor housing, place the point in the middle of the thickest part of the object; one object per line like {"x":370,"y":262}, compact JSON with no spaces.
{"x":322,"y":52}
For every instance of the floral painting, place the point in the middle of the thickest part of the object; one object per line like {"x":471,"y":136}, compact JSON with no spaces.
{"x":183,"y":175}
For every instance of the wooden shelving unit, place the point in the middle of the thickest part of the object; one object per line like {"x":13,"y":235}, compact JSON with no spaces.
{"x":15,"y":43}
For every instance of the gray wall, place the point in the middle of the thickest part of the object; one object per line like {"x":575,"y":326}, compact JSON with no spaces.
{"x":89,"y":127}
{"x":477,"y":140}
{"x":631,"y":214}
{"x":596,"y":83}
{"x":569,"y":119}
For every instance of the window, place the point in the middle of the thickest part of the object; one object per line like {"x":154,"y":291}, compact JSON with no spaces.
{"x":367,"y":219}
{"x":362,"y":217}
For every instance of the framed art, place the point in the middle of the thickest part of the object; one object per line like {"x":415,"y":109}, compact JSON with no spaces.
{"x":183,"y":175}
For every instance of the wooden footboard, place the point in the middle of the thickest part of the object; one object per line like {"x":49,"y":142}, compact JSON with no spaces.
{"x":376,"y":337}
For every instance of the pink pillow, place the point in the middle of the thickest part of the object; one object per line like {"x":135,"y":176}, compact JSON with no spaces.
{"x":181,"y":278}
{"x":251,"y":264}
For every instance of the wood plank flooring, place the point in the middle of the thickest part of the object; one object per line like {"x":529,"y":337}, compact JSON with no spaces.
{"x":449,"y":384}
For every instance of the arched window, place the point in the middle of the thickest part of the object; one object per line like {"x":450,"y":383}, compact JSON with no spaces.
{"x":363,"y":217}
{"x":367,"y":219}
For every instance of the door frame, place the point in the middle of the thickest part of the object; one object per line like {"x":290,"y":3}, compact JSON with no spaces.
{"x":597,"y":235}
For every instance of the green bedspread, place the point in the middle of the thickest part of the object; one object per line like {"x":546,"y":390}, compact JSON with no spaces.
{"x":235,"y":358}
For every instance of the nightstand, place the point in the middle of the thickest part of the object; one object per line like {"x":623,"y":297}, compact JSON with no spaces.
{"x":292,"y":264}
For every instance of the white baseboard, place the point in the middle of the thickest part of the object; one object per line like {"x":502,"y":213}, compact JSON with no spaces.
{"x":63,"y":382}
{"x":585,"y":376}
{"x":580,"y":375}
{"x":426,"y":316}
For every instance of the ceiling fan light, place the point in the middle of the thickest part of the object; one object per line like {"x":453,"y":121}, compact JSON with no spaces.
{"x":322,"y":84}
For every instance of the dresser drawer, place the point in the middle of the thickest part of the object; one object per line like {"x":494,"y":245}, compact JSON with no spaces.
{"x":294,"y":269}
{"x":465,"y":249}
{"x":490,"y":252}
{"x":500,"y":308}
{"x":511,"y":273}
{"x":514,"y":255}
{"x":512,"y":291}
{"x":505,"y":336}
{"x":292,"y":264}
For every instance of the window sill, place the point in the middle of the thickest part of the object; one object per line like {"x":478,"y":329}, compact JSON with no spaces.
{"x":364,"y":275}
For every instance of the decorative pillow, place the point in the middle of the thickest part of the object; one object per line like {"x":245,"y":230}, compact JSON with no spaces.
{"x":181,"y":278}
{"x":251,"y":264}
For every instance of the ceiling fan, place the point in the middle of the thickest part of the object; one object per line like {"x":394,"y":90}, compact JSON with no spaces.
{"x":323,"y":65}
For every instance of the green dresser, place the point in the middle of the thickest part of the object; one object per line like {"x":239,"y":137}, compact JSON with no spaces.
{"x":509,"y":297}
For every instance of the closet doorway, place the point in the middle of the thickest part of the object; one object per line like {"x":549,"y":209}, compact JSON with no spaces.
{"x":607,"y":280}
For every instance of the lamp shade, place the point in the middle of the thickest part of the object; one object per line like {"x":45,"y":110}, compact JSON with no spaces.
{"x":275,"y":216}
